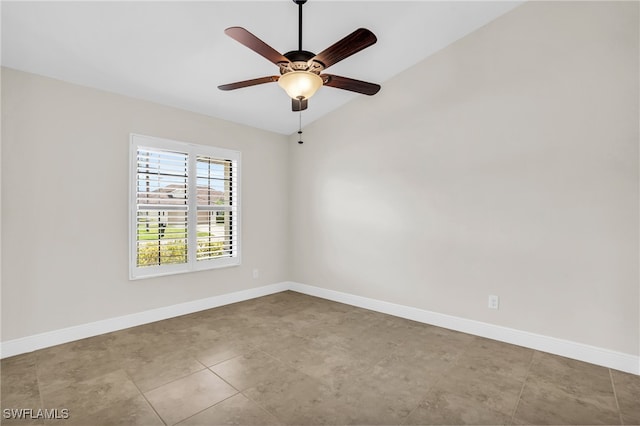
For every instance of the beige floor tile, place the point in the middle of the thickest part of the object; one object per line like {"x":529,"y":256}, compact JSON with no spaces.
{"x":307,"y":361}
{"x":327,"y":361}
{"x":268,"y":306}
{"x":214,"y":352}
{"x":87,"y":397}
{"x":189,"y":395}
{"x":309,"y":312}
{"x":353,"y":334}
{"x":10,"y":421}
{"x":518,"y":422}
{"x":394,"y":387}
{"x":545,"y":405}
{"x":425,"y":357}
{"x":572,"y":376}
{"x":257,"y":334}
{"x":19,"y":390}
{"x":563,"y":391}
{"x":495,"y":393}
{"x":61,"y":366}
{"x":326,"y":336}
{"x":22,"y":419}
{"x":447,"y":408}
{"x":162,"y":368}
{"x":19,"y":382}
{"x":134,"y":411}
{"x":628,"y":393}
{"x":298,"y":399}
{"x":435,"y":342}
{"x":220,"y":323}
{"x":344,"y":326}
{"x":291,"y":343}
{"x":147,"y":341}
{"x":237,"y":410}
{"x":385,"y":395}
{"x":395,"y":329}
{"x":496,"y":358}
{"x":249,"y":370}
{"x":370,"y":347}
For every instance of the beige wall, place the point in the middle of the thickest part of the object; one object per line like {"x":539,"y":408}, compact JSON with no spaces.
{"x":505,"y":164}
{"x":65,"y":183}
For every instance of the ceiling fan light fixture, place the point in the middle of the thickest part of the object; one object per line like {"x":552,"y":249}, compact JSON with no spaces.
{"x":300,"y":84}
{"x":300,"y":69}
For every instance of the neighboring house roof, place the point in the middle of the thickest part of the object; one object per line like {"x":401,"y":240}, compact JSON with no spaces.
{"x":175,"y":194}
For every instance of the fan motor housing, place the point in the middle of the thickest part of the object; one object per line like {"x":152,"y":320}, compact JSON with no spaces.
{"x":301,"y":61}
{"x":299,"y":55}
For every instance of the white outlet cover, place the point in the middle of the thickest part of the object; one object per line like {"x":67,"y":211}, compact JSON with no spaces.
{"x":494,"y":302}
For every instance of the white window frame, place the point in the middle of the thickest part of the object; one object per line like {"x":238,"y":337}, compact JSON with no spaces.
{"x":192,"y":150}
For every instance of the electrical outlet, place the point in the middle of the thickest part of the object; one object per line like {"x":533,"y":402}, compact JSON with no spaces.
{"x":494,"y":302}
{"x":256,"y":274}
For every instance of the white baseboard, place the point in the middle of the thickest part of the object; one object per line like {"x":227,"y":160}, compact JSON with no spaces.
{"x":591,"y":354}
{"x":57,"y":337}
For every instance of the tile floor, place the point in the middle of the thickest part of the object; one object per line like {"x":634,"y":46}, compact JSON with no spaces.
{"x":289,"y":358}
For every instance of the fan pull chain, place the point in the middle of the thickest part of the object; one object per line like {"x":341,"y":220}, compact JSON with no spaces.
{"x":300,"y":129}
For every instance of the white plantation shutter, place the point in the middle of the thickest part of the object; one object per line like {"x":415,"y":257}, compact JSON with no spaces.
{"x":216,"y":207}
{"x":161,"y":207}
{"x":185,"y":207}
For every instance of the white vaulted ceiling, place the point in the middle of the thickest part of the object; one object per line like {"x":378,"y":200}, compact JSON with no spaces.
{"x":176,"y":53}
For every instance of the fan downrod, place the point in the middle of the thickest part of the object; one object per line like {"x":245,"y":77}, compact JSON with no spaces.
{"x":299,"y":3}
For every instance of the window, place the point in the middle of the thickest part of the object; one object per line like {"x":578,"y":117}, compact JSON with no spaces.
{"x":185,"y":207}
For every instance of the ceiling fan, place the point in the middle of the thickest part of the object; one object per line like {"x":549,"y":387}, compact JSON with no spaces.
{"x":301,"y":71}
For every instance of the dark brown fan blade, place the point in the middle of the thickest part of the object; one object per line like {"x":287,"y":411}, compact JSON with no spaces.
{"x":247,"y":83}
{"x":243,"y":36}
{"x":350,"y":84}
{"x":353,"y":43}
{"x":299,"y":104}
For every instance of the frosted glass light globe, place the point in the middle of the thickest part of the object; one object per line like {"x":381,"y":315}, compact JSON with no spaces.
{"x":300,"y":84}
